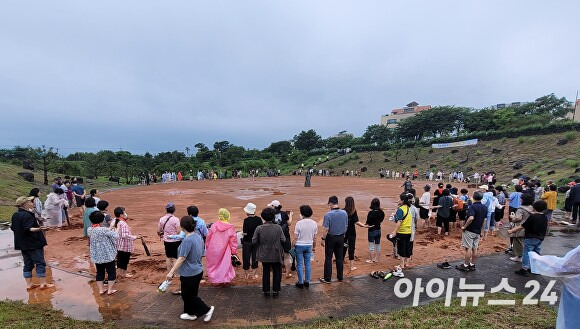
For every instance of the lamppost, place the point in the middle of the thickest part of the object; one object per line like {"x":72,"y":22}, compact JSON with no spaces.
{"x":43,"y":154}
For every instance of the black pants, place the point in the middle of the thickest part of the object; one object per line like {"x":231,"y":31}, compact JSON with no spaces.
{"x":192,"y":304}
{"x":249,"y":251}
{"x":442,"y":222}
{"x":123,"y":259}
{"x":350,"y":241}
{"x":111,"y":271}
{"x":576,"y":213}
{"x":277,"y":276}
{"x":334,"y":244}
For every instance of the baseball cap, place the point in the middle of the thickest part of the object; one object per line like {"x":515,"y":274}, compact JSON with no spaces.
{"x":274,"y":203}
{"x":170,"y":205}
{"x":333,"y":200}
{"x":23,"y":199}
{"x":250,"y":208}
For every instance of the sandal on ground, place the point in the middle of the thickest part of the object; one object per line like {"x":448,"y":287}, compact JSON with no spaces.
{"x":46,"y":286}
{"x":111,"y":293}
{"x":374,"y":274}
{"x":102,"y":292}
{"x":176,"y":293}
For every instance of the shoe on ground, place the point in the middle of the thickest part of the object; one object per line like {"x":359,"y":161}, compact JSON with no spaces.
{"x":374,"y":274}
{"x":522,"y":272}
{"x":463,"y":267}
{"x":324,"y":281}
{"x":444,"y":265}
{"x":399,"y":273}
{"x":472,"y":267}
{"x":516,"y":259}
{"x":186,"y":316}
{"x":105,"y":282}
{"x":306,"y":284}
{"x":275,"y":294}
{"x":208,"y":315}
{"x":300,"y":285}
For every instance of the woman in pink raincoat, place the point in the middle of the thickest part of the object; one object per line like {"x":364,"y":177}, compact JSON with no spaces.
{"x":221,"y":243}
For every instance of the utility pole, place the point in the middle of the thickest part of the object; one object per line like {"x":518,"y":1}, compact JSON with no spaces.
{"x":44,"y":168}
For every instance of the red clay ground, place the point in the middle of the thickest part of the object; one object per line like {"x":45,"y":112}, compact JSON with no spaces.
{"x":145,"y":205}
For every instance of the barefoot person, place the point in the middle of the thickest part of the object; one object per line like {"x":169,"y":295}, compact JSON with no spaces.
{"x":124,"y":241}
{"x":403,"y":230}
{"x":30,"y":240}
{"x":269,"y":238}
{"x":103,"y":251}
{"x":374,"y":219}
{"x":249,"y":250}
{"x":350,"y":236}
{"x":169,"y":225}
{"x":221,"y":244}
{"x":190,"y":272}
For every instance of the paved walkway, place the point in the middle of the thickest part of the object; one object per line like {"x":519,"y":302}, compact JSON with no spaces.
{"x":246,"y":306}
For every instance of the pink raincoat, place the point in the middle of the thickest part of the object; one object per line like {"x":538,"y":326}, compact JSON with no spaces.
{"x":221,"y":243}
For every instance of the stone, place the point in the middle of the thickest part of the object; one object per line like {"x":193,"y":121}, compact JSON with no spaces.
{"x":562,"y":141}
{"x":464,"y":161}
{"x":27,"y":176}
{"x":551,"y":172}
{"x":360,"y":162}
{"x":413,"y":166}
{"x":431,"y":151}
{"x":28,"y":164}
{"x":363,"y":169}
{"x":577,"y":170}
{"x":469,"y":169}
{"x":518,"y":165}
{"x":495,"y":151}
{"x":401,"y":162}
{"x":433,"y":166}
{"x":454,"y":151}
{"x":387,"y":160}
{"x":115,"y":179}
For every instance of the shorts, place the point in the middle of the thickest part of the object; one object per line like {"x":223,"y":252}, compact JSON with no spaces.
{"x":452,"y":216}
{"x":423,"y":213}
{"x":171,"y":249}
{"x":404,"y":245}
{"x":440,"y":220}
{"x":375,"y":236}
{"x":470,"y":240}
{"x":462,"y":215}
{"x":79,"y":201}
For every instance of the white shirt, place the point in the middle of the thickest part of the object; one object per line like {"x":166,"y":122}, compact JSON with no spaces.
{"x":425,"y":200}
{"x":306,"y":229}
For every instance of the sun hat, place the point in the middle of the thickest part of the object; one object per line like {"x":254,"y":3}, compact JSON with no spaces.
{"x":23,"y":199}
{"x":274,"y":203}
{"x":250,"y":208}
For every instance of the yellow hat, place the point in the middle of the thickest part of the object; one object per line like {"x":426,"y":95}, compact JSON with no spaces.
{"x":224,"y":215}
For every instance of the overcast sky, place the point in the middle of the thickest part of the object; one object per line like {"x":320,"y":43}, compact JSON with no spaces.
{"x":163,"y":75}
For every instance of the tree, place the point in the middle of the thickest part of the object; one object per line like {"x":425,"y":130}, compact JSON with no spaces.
{"x":281,"y":147}
{"x":377,"y":134}
{"x":307,"y":140}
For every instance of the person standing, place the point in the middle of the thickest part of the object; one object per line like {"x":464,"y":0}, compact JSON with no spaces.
{"x":284,"y":219}
{"x":249,"y":250}
{"x":169,"y":225}
{"x":551,"y":197}
{"x":53,"y":208}
{"x":35,"y":193}
{"x":575,"y":201}
{"x":374,"y":219}
{"x":517,"y":219}
{"x":269,"y":238}
{"x":350,"y":235}
{"x":304,"y":237}
{"x":443,"y":212}
{"x":403,"y":230}
{"x":190,"y":271}
{"x":477,"y":215}
{"x":535,"y":228}
{"x":221,"y":244}
{"x":103,"y":251}
{"x":124,"y":241}
{"x":79,"y":196}
{"x":30,"y":240}
{"x":335,"y":224}
{"x":91,"y":206}
{"x":424,"y":205}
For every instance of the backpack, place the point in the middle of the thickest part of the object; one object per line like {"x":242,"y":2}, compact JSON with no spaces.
{"x":460,"y":204}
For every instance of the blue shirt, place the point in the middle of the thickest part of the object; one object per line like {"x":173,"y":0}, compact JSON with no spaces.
{"x":192,"y":249}
{"x":336,"y":221}
{"x":200,"y":226}
{"x":516,"y":199}
{"x":78,"y":189}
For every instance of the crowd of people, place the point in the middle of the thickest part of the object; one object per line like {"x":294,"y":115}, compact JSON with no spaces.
{"x":267,"y":237}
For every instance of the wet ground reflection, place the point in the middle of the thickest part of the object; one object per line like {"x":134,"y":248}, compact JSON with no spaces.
{"x":72,"y":293}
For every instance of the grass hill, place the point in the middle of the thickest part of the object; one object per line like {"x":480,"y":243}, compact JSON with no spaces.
{"x":540,"y":156}
{"x":12,"y":186}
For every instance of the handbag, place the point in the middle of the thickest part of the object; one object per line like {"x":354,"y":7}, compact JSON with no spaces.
{"x":236,"y":261}
{"x":160,"y":233}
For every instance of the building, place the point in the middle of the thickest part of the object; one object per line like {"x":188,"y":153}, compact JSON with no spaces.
{"x":392,"y":120}
{"x":575,"y":114}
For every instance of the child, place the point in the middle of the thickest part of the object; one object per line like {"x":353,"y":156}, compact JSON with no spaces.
{"x":535,"y":230}
{"x":124,"y":241}
{"x":103,"y":251}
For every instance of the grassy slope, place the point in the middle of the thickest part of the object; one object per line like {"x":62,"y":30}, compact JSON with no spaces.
{"x":434,"y":315}
{"x":540,"y":155}
{"x":13,"y":186}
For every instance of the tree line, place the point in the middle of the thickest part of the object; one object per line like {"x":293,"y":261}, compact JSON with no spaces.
{"x":437,"y":123}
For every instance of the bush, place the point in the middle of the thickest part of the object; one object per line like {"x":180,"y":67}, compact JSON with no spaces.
{"x":571,"y":163}
{"x":570,"y":135}
{"x":532,"y":140}
{"x":478,"y":153}
{"x":521,"y":140}
{"x":503,"y":140}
